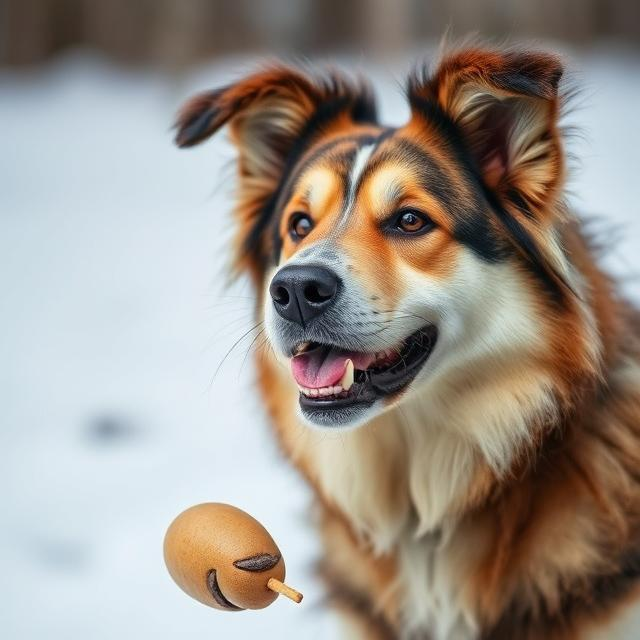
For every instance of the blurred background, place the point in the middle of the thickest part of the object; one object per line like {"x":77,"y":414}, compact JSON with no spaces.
{"x":174,"y":33}
{"x":126,"y":378}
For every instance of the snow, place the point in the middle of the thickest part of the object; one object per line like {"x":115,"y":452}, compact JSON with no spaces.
{"x":114,"y":318}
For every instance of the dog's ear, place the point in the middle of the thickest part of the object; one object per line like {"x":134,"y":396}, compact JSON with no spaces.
{"x":506,"y":105}
{"x":273,"y":116}
{"x":500,"y":111}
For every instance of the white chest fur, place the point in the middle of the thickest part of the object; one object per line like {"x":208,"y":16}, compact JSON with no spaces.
{"x":395,"y":486}
{"x":431,"y":585}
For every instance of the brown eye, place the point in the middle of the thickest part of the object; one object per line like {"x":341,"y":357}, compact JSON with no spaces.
{"x":300,"y":225}
{"x":412,"y":222}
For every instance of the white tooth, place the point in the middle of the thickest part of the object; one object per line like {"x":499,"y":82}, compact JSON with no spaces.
{"x":314,"y":393}
{"x":347,"y":376}
{"x":337,"y":390}
{"x":323,"y":392}
{"x":301,"y":389}
{"x":301,"y":347}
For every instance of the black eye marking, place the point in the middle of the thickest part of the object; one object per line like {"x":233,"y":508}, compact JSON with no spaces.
{"x":300,"y":225}
{"x":410,"y":222}
{"x":260,"y":562}
{"x":218,"y":596}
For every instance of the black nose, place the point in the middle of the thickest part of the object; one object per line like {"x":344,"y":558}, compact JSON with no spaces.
{"x":303,"y":292}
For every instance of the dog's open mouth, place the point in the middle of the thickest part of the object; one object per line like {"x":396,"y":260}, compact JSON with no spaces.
{"x":330,"y":377}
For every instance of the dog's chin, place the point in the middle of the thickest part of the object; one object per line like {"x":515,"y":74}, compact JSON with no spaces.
{"x":362,"y":393}
{"x":346,"y":418}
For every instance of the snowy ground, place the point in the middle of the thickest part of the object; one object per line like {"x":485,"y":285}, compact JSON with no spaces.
{"x":114,"y":320}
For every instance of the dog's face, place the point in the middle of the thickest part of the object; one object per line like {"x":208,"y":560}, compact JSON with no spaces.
{"x":387,"y":256}
{"x":382,"y":267}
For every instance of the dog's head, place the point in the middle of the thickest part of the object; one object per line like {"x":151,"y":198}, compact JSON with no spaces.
{"x":387,"y":256}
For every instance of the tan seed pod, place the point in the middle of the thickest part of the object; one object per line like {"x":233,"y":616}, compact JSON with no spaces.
{"x":224,"y":558}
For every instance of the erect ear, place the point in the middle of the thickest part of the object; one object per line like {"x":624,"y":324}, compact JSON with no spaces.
{"x":501,"y":109}
{"x":273,"y":116}
{"x":506,"y":105}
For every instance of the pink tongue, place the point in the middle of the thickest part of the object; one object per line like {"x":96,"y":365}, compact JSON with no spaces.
{"x":325,"y":368}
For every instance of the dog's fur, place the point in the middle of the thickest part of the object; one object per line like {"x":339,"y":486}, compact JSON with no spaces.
{"x":498,"y":496}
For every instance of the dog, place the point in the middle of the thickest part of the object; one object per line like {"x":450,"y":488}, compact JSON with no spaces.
{"x":462,"y":381}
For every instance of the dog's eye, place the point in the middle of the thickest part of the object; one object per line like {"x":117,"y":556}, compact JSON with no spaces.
{"x":412,"y":222}
{"x":300,"y":224}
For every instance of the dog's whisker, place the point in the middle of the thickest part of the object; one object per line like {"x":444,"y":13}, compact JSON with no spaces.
{"x":231,"y":328}
{"x":235,"y":344}
{"x":249,"y":349}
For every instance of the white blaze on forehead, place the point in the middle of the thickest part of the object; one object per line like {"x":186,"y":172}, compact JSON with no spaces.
{"x":359,"y":163}
{"x":357,"y":169}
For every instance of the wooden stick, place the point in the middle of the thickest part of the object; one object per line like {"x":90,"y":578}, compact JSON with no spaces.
{"x":280,"y":587}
